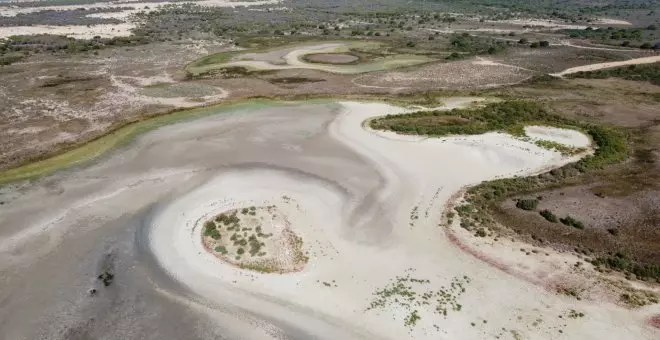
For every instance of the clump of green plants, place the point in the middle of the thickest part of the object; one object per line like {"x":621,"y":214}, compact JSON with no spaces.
{"x":639,"y":298}
{"x":411,"y":319}
{"x":408,"y":292}
{"x":228,"y":219}
{"x":561,"y":148}
{"x":620,"y":262}
{"x":571,"y":222}
{"x":573,"y":314}
{"x":548,"y":215}
{"x":571,"y":292}
{"x":221,"y":249}
{"x":527,"y":204}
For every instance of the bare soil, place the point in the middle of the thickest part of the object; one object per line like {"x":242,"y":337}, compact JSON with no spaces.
{"x":331,"y":58}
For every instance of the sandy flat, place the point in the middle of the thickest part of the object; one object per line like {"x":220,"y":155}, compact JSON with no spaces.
{"x":367,"y":204}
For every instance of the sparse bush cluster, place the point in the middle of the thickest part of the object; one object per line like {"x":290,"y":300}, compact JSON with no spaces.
{"x":571,"y":222}
{"x":620,"y":262}
{"x":549,"y":216}
{"x":527,"y":204}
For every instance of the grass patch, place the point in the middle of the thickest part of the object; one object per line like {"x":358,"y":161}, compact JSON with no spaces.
{"x":508,"y":116}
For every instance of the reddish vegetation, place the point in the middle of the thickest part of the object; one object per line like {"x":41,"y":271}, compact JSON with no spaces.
{"x":453,"y":239}
{"x":654,"y":321}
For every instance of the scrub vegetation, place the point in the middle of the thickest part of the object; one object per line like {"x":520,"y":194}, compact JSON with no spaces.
{"x":415,"y":295}
{"x":247,"y":238}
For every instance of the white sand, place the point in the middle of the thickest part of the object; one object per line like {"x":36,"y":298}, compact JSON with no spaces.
{"x":566,"y":137}
{"x":547,"y":24}
{"x":610,"y":21}
{"x":338,"y":230}
{"x":136,"y":5}
{"x":75,"y":31}
{"x":600,"y":66}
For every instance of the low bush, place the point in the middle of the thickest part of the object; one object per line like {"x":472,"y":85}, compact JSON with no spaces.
{"x":548,"y":215}
{"x":527,"y":204}
{"x":571,"y":222}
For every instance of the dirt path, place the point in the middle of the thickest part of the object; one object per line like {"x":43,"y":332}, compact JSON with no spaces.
{"x":600,"y":66}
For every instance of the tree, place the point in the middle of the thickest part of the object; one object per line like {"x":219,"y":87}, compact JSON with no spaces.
{"x":645,"y":46}
{"x":410,"y":44}
{"x":544,"y":43}
{"x":534,"y":44}
{"x":523,"y":41}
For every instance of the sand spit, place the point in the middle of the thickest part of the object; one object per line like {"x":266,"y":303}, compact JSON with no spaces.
{"x":566,"y":137}
{"x":366,"y":204}
{"x":600,"y":66}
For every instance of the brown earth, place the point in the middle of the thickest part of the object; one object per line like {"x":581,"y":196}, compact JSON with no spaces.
{"x":331,"y":58}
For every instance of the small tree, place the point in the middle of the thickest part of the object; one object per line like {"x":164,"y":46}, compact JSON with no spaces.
{"x":544,"y":43}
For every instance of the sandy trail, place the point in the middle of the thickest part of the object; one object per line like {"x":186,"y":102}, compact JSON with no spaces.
{"x":600,"y":66}
{"x":351,"y":194}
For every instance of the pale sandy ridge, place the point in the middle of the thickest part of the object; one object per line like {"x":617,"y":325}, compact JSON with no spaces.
{"x":600,"y":66}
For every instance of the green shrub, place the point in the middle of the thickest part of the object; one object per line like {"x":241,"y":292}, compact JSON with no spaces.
{"x":527,"y":204}
{"x":571,"y":222}
{"x":548,"y":215}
